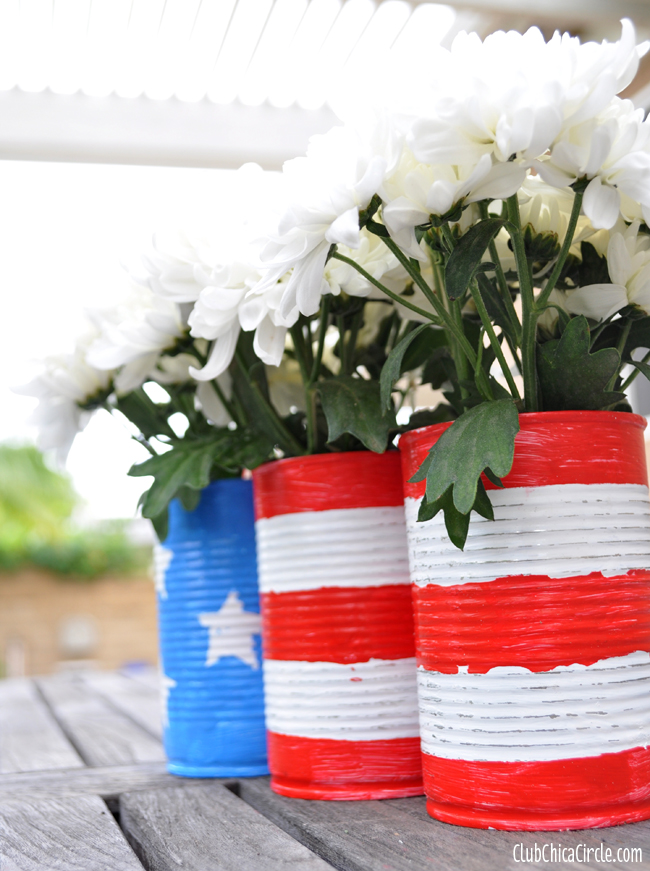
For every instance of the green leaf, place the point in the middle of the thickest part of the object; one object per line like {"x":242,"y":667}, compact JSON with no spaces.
{"x":643,"y":368}
{"x":149,"y":417}
{"x":353,"y":405}
{"x":570,"y":377}
{"x":393,"y":366}
{"x":482,"y":438}
{"x":456,"y":523}
{"x":466,"y":257}
{"x":171,"y":475}
{"x":189,"y":498}
{"x":160,"y":524}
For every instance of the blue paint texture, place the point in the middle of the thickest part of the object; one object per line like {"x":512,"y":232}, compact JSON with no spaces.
{"x":215,"y":712}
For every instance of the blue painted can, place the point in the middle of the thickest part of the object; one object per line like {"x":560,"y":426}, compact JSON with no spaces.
{"x":210,"y":643}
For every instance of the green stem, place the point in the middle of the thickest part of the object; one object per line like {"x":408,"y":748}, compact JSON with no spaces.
{"x":352,"y":342}
{"x":310,"y":394}
{"x":440,"y":310}
{"x":620,"y":347}
{"x":503,"y":284}
{"x":496,"y":345}
{"x":289,"y":444}
{"x":299,"y":347}
{"x":630,"y":378}
{"x":230,"y":408}
{"x":530,"y":314}
{"x":401,"y":300}
{"x":322,"y":330}
{"x":564,"y":251}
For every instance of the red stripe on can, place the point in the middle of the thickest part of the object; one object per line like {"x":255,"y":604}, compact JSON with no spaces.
{"x":554,"y":447}
{"x":600,"y":790}
{"x":337,"y":624}
{"x":323,"y":482}
{"x":319,"y":768}
{"x":532,"y":621}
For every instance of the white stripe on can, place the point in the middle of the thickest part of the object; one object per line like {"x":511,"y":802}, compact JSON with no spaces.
{"x":512,"y":714}
{"x":162,"y":557}
{"x":347,"y":547}
{"x":561,"y":531}
{"x":361,"y":701}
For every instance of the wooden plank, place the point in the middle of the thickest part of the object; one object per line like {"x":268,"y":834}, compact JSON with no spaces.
{"x":398,"y":835}
{"x":208,"y":829}
{"x":102,"y":735}
{"x":106,"y":782}
{"x":30,"y":737}
{"x":138,"y":700}
{"x":76,"y":834}
{"x":147,"y":675}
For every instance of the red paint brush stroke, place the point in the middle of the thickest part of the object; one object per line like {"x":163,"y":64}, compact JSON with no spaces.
{"x":318,"y":768}
{"x":595,"y":791}
{"x":532,"y":621}
{"x":554,"y":447}
{"x":323,"y":482}
{"x":337,"y":624}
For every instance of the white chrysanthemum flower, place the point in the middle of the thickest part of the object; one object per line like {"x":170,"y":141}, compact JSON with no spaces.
{"x":133,"y":336}
{"x":628,"y":261}
{"x":66,"y":383}
{"x":216,"y":317}
{"x":328,"y":188}
{"x":178,"y":268}
{"x":417,"y":190}
{"x":613,"y":152}
{"x":513,"y":94}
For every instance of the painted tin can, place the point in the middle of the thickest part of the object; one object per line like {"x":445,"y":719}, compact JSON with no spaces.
{"x":533,"y":644}
{"x":210,"y":642}
{"x":339,"y":654}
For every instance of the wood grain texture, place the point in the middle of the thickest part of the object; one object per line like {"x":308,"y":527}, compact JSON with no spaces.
{"x":102,"y":735}
{"x":208,"y":829}
{"x":398,"y":835}
{"x":106,"y":782}
{"x":138,"y":700}
{"x":62,"y":833}
{"x":30,"y":737}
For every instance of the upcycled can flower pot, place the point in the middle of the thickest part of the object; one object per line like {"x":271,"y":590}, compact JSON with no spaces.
{"x":210,"y":642}
{"x":533,"y":643}
{"x":339,"y":654}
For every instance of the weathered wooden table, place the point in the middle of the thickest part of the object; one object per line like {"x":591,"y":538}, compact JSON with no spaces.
{"x":83,"y":786}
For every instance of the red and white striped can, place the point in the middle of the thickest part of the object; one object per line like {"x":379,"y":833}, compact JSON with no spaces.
{"x":533,"y":644}
{"x":337,"y":627}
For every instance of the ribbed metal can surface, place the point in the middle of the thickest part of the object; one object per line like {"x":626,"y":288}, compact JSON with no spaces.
{"x":210,"y":644}
{"x":339,"y":667}
{"x":533,"y":644}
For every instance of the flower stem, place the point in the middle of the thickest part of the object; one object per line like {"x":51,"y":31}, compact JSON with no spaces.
{"x":230,"y":408}
{"x":322,"y":329}
{"x":529,"y":311}
{"x":289,"y":444}
{"x":630,"y":378}
{"x":620,"y":347}
{"x":496,"y":345}
{"x":447,"y":320}
{"x":503,"y":284}
{"x":378,"y":284}
{"x":564,"y":251}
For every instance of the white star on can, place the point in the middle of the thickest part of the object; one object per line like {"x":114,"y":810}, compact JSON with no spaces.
{"x":232,"y":632}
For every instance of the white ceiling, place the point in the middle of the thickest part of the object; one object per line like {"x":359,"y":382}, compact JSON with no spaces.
{"x":220,"y":82}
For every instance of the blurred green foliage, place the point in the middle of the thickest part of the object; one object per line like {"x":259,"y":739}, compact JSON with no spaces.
{"x":37,"y":529}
